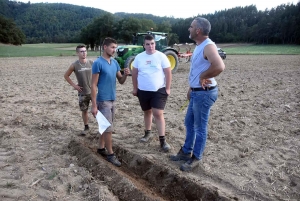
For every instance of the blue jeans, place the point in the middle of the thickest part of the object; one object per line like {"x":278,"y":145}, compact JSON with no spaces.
{"x":196,"y":121}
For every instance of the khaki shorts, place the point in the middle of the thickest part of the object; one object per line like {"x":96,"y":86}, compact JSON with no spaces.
{"x":84,"y":101}
{"x":107,"y":108}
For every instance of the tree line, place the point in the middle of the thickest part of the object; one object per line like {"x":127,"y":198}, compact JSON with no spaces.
{"x":63,"y":23}
{"x":10,"y":33}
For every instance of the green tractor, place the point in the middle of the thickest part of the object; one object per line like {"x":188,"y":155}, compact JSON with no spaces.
{"x":127,"y":53}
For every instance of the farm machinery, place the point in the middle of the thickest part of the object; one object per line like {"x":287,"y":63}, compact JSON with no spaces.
{"x":126,"y":53}
{"x":184,"y":56}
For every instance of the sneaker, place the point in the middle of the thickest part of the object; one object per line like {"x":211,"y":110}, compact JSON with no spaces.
{"x":180,"y":156}
{"x":147,"y":136}
{"x":113,"y":159}
{"x":190,"y":164}
{"x":165,"y":146}
{"x":102,"y":152}
{"x":85,"y":132}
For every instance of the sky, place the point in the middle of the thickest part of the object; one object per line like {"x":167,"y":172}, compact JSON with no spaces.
{"x":170,"y":8}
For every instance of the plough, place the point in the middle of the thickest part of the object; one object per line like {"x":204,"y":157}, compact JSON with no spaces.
{"x":184,"y":56}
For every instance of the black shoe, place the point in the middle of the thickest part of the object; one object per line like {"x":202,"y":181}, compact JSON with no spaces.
{"x":113,"y":159}
{"x":85,"y":132}
{"x":102,"y":152}
{"x":181,"y":156}
{"x":165,"y":146}
{"x":148,"y":135}
{"x":190,"y":164}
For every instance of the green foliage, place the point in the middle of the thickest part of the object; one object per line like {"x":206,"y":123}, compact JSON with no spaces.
{"x":57,"y":22}
{"x":49,"y":22}
{"x":103,"y":27}
{"x":280,"y":25}
{"x":247,"y":24}
{"x":155,"y":19}
{"x":129,"y":26}
{"x":96,"y":31}
{"x":10,"y":33}
{"x":147,"y":25}
{"x":173,"y":38}
{"x":165,"y":26}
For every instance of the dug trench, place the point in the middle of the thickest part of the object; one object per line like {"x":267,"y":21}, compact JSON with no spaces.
{"x":140,"y":178}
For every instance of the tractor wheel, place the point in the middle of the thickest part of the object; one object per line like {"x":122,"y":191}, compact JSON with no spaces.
{"x":173,"y":58}
{"x":128,"y":63}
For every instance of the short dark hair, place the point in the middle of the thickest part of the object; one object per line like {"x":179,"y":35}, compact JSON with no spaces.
{"x":107,"y":41}
{"x":149,"y":37}
{"x":80,"y":46}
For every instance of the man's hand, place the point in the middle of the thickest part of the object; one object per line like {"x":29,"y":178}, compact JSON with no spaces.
{"x":188,"y":95}
{"x":94,"y":110}
{"x":168,"y":91}
{"x":126,"y":71}
{"x":78,"y":88}
{"x":134,"y":92}
{"x":204,"y":82}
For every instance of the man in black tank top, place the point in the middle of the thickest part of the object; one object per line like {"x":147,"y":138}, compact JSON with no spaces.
{"x":83,"y":71}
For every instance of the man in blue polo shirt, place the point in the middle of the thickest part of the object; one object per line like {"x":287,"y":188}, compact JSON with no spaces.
{"x":105,"y":71}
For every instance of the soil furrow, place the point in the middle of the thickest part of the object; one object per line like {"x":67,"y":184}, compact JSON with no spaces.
{"x":142,"y":178}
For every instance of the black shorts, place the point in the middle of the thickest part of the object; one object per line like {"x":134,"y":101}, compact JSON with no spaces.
{"x":153,"y":99}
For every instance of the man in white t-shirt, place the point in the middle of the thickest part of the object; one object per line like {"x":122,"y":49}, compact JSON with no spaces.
{"x":151,"y":79}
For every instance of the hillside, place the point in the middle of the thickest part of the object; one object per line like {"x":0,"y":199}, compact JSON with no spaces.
{"x":62,"y":23}
{"x":49,"y":22}
{"x":58,"y":22}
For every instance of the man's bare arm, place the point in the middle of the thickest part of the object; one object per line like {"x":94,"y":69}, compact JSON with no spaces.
{"x":68,"y":79}
{"x":122,"y":78}
{"x":216,"y":67}
{"x":168,"y":74}
{"x":94,"y":109}
{"x":134,"y":74}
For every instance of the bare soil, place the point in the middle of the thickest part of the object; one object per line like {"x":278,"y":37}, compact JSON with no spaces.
{"x":252,"y":152}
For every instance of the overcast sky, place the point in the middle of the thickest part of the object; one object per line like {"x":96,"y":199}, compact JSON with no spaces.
{"x":174,"y":8}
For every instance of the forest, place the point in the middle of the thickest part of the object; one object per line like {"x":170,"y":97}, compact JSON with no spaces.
{"x":66,"y":23}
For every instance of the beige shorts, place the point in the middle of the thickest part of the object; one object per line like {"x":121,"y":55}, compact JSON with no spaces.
{"x":107,"y":108}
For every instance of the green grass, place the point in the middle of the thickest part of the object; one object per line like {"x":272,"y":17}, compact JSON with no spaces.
{"x":42,"y":49}
{"x":263,"y":50}
{"x":68,"y":49}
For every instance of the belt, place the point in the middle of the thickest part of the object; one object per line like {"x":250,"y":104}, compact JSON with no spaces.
{"x":203,"y":89}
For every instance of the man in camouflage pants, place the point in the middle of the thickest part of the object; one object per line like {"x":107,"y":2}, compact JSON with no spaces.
{"x":83,"y":71}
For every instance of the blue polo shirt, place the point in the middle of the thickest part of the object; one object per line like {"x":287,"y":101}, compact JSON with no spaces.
{"x":107,"y":78}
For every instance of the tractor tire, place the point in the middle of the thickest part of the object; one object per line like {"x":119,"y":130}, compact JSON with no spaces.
{"x":173,"y":58}
{"x":128,"y":63}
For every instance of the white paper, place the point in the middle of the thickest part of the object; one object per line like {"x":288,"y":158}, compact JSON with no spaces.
{"x":102,"y":122}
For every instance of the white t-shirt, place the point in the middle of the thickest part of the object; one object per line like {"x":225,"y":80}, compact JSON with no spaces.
{"x":151,"y":76}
